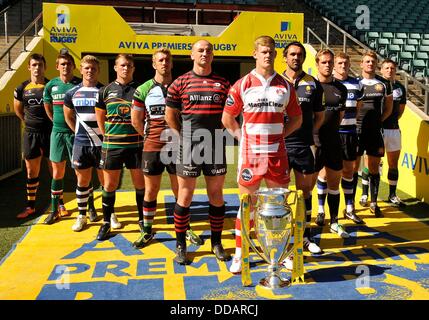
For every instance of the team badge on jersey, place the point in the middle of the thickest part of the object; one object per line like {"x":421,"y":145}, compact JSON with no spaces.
{"x":246,"y":175}
{"x":230,"y":100}
{"x":379,"y":87}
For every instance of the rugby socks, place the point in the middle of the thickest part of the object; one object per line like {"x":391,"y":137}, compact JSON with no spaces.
{"x":56,"y":193}
{"x":139,"y":202}
{"x":91,"y":196}
{"x":355,"y":183}
{"x":32,"y":185}
{"x":149,"y":210}
{"x":181,"y":223}
{"x":322,"y":191}
{"x":347,"y":186}
{"x":216,"y":218}
{"x":365,"y":182}
{"x":333,"y":204}
{"x":308,"y":209}
{"x":374,"y":182}
{"x":108,"y":200}
{"x":82,"y":195}
{"x":392,"y":177}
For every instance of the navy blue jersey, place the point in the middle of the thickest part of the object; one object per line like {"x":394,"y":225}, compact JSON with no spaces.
{"x":82,"y":100}
{"x":354,"y":92}
{"x":334,"y":101}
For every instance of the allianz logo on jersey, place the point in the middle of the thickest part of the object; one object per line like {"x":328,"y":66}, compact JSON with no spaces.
{"x":63,"y":32}
{"x":216,"y":98}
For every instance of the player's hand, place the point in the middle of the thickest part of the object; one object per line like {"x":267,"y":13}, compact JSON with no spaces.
{"x":316,"y":140}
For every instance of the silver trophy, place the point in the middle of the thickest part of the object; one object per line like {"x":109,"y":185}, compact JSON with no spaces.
{"x":273,"y":228}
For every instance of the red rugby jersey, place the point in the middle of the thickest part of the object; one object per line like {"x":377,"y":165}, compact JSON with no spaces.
{"x":200,"y":99}
{"x":264,"y":103}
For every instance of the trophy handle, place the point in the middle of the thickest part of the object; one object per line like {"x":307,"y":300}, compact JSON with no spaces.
{"x":245,"y":209}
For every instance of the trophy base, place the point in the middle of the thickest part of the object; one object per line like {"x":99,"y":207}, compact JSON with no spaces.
{"x":274,"y":283}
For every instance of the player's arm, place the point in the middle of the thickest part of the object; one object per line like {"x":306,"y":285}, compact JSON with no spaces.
{"x":388,"y":107}
{"x":231,"y":124}
{"x":18,"y":106}
{"x":172,"y":117}
{"x":402,"y":103}
{"x":70,"y":117}
{"x":318,"y":119}
{"x":47,"y":102}
{"x":294,"y":113}
{"x":137,"y":120}
{"x":100,"y":114}
{"x":401,"y":110}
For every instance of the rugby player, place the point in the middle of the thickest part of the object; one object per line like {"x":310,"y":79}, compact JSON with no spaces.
{"x":28,"y":106}
{"x":377,"y":103}
{"x":348,"y":134}
{"x":62,"y":136}
{"x":195,"y":103}
{"x":79,"y":113}
{"x":299,"y":143}
{"x":329,"y":160}
{"x":122,"y":144}
{"x":391,"y":131}
{"x":148,"y":118}
{"x":264,"y":98}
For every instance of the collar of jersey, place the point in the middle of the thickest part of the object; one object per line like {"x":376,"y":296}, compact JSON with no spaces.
{"x":262,"y":79}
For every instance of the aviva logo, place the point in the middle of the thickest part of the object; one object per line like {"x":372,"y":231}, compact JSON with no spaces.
{"x":285,"y":26}
{"x":63,"y":16}
{"x":416,"y":163}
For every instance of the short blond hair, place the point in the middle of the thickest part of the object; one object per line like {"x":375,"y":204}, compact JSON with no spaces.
{"x":165,"y":51}
{"x":90,"y":59}
{"x":322,"y":53}
{"x":342,"y":55}
{"x":370,"y":53}
{"x":265,"y":41}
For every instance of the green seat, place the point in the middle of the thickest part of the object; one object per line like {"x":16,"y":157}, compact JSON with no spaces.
{"x":424,"y":42}
{"x":401,"y":35}
{"x":371,"y":39}
{"x":387,"y":35}
{"x":393,"y":52}
{"x":405,"y":59}
{"x":399,"y":42}
{"x":412,"y":42}
{"x":418,"y":69}
{"x":424,"y":48}
{"x":408,"y":48}
{"x":382,"y":45}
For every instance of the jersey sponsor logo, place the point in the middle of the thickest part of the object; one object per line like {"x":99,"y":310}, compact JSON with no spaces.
{"x":307,"y":89}
{"x":337,"y":95}
{"x":230,"y":100}
{"x":218,"y":171}
{"x":200,"y":98}
{"x":397,"y":93}
{"x":217,"y":98}
{"x":189,"y":173}
{"x":112,"y":95}
{"x":217,"y":84}
{"x":35,"y":101}
{"x":304,"y":99}
{"x":54,"y":88}
{"x":123,"y":110}
{"x":246,"y":175}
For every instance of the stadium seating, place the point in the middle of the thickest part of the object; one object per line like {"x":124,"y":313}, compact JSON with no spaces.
{"x":397,"y":29}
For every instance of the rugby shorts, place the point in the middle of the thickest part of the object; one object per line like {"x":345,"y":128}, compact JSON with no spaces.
{"x":349,"y":144}
{"x":85,"y":157}
{"x":116,"y":158}
{"x":392,"y":140}
{"x":36,"y":144}
{"x":154,"y":162}
{"x":61,"y":146}
{"x":251,"y":171}
{"x":301,"y":159}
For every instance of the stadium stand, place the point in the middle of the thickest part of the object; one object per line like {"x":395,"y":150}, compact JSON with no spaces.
{"x":397,"y":28}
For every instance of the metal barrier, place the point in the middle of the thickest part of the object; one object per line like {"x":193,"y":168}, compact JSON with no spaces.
{"x":10,"y":145}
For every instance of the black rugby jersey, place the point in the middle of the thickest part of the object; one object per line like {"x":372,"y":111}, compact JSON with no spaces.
{"x":31,"y":96}
{"x":309,"y":93}
{"x":200,"y":99}
{"x":374,"y":92}
{"x":334,"y":101}
{"x":116,"y":100}
{"x":399,"y":97}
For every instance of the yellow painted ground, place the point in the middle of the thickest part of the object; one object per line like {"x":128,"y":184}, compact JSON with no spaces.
{"x":385,"y":259}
